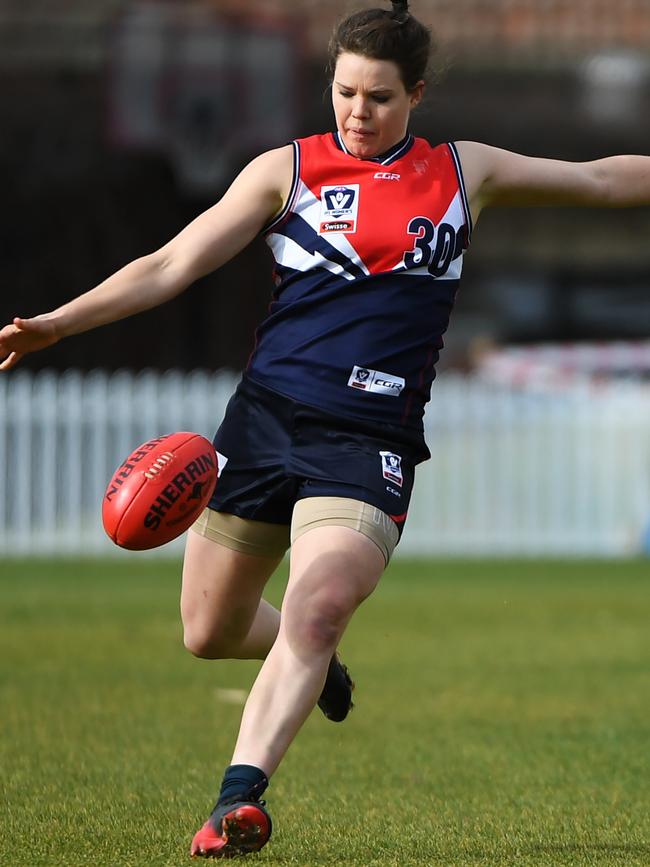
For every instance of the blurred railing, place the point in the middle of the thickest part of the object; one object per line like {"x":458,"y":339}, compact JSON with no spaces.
{"x":527,"y":470}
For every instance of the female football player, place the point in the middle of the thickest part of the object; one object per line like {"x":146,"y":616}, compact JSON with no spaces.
{"x":368,"y":227}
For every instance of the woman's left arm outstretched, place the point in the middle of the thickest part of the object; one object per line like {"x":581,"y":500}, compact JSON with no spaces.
{"x":499,"y":177}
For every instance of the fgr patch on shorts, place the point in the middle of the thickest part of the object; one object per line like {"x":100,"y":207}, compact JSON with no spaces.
{"x":279,"y":451}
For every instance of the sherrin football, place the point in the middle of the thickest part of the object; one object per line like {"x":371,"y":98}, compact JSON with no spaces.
{"x":159,"y":490}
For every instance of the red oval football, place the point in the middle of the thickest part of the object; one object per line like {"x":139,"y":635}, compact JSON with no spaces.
{"x":159,"y":490}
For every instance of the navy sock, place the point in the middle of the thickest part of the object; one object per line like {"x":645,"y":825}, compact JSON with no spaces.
{"x":242,"y":781}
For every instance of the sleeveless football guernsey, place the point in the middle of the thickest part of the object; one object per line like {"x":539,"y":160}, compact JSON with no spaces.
{"x":368,"y":259}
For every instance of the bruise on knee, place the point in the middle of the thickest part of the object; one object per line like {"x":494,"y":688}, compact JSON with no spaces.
{"x":316,"y":622}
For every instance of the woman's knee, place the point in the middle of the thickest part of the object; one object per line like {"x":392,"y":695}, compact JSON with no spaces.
{"x":211,"y":640}
{"x":202,"y":644}
{"x":333,"y":570}
{"x":220,"y":595}
{"x":317,"y":623}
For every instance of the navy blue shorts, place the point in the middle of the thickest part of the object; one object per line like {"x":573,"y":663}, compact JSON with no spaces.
{"x":279,"y":451}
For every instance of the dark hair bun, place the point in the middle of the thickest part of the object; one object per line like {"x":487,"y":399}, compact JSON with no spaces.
{"x":385,"y":35}
{"x":400,"y":10}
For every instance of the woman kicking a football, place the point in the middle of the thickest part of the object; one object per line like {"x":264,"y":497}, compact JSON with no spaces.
{"x":368,"y":227}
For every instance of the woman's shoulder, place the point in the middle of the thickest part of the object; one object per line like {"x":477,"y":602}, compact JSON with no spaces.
{"x":274,"y":158}
{"x":273,"y":168}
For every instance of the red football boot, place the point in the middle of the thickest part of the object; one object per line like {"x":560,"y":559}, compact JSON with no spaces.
{"x":233,"y":829}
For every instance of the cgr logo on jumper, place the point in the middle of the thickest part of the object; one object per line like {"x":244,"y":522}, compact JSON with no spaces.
{"x":374,"y":380}
{"x":339,"y":209}
{"x":386,"y":176}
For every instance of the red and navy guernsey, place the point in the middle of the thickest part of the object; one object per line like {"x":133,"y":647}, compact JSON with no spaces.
{"x":368,"y":259}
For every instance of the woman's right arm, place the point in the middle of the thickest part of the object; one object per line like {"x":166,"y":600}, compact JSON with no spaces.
{"x":255,"y":196}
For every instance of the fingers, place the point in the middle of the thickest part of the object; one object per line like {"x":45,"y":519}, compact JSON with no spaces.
{"x":33,"y":324}
{"x":23,"y":336}
{"x":11,"y":361}
{"x":4,"y":350}
{"x":12,"y":355}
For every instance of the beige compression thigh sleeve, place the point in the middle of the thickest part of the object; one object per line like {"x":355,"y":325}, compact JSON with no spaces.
{"x":249,"y":537}
{"x":345,"y":512}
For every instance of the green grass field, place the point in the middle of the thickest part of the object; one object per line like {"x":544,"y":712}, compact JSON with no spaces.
{"x":503,"y":718}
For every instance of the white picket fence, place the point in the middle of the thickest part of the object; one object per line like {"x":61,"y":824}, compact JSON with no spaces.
{"x":526,"y":471}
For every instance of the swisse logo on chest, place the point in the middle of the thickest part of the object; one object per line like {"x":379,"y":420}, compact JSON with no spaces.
{"x":339,"y":209}
{"x":374,"y":380}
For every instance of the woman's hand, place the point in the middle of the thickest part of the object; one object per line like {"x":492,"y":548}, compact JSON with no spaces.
{"x":23,"y":336}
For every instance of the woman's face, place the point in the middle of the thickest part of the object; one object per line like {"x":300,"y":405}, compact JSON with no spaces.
{"x":371,"y":104}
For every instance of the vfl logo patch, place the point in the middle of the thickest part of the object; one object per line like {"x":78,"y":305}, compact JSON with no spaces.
{"x":339,"y":208}
{"x":374,"y":380}
{"x":391,"y":467}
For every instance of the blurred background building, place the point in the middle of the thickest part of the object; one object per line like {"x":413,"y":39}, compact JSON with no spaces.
{"x":123,"y":119}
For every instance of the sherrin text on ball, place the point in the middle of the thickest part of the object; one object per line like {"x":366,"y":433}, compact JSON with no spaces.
{"x":159,"y":490}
